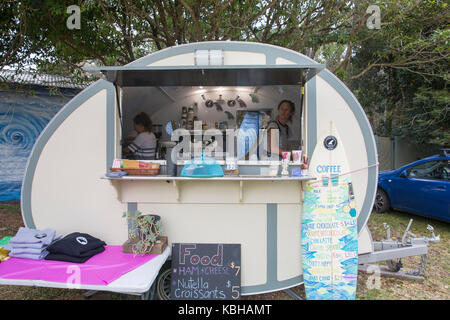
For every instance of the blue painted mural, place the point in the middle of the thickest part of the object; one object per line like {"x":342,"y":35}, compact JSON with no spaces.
{"x":22,"y":118}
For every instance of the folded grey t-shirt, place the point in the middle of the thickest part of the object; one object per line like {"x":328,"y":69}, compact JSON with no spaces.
{"x":27,"y":250}
{"x":33,"y":236}
{"x":39,"y":245}
{"x":30,"y":255}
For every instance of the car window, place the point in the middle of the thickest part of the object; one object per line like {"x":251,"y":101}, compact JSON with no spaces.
{"x":445,"y":170}
{"x":435,"y":170}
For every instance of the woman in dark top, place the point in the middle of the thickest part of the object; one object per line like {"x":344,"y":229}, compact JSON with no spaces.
{"x":286,"y":110}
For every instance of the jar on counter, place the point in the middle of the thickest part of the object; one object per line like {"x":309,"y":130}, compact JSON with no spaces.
{"x":184,"y":114}
{"x":231,"y":167}
{"x":190,"y":114}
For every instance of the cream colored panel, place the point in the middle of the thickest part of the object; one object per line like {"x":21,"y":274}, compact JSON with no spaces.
{"x":147,"y":191}
{"x":243,"y":58}
{"x":289,"y":238}
{"x":209,"y":191}
{"x":331,"y":106}
{"x":181,"y":191}
{"x":280,"y":192}
{"x":283,"y":61}
{"x":365,"y":243}
{"x":67,"y":192}
{"x":208,"y":223}
{"x":186,"y":59}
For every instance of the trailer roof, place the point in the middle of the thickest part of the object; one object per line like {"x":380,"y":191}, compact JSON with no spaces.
{"x":222,"y":75}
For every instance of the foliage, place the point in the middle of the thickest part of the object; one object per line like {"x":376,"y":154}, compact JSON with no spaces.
{"x":116,"y":32}
{"x":414,"y":37}
{"x":399,"y":73}
{"x":427,"y":118}
{"x":17,"y":41}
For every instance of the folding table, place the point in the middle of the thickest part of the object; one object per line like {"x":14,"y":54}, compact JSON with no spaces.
{"x":140,"y":281}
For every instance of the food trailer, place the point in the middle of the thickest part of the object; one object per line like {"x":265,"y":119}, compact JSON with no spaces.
{"x":66,"y":188}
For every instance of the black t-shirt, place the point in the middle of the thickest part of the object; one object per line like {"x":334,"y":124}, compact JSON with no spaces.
{"x":76,"y":244}
{"x":67,"y":258}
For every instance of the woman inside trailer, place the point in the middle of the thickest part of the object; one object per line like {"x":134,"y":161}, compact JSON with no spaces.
{"x":286,"y":110}
{"x":143,"y":146}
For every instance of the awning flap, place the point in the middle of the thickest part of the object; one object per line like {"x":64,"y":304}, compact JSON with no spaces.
{"x":224,"y":75}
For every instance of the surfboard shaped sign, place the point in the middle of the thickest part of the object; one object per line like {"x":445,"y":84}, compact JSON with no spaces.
{"x":329,"y":236}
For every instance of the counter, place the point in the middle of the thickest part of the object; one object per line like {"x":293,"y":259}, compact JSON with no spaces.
{"x":246,"y":167}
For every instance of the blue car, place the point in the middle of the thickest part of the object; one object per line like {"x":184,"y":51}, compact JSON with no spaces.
{"x":421,"y":187}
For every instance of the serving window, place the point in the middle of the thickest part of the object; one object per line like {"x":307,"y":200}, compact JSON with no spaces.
{"x":224,"y":122}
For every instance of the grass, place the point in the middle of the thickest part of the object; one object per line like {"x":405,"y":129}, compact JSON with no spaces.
{"x":435,"y":286}
{"x":11,"y":207}
{"x":437,"y":277}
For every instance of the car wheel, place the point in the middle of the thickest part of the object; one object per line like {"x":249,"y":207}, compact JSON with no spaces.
{"x":163,"y":282}
{"x":382,"y":203}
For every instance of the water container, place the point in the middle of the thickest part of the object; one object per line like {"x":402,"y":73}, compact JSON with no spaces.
{"x":202,"y":168}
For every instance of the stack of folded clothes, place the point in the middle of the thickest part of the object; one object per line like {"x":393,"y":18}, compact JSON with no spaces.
{"x":31,"y":243}
{"x":76,"y":247}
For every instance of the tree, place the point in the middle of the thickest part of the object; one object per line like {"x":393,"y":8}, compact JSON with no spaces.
{"x":391,"y":70}
{"x":18,"y":44}
{"x":116,"y":32}
{"x":400,"y":73}
{"x":426,"y":119}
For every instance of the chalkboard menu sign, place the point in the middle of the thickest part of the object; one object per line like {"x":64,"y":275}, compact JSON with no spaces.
{"x":206,"y":271}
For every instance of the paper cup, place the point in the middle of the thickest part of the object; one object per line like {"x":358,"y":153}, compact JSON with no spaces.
{"x":286,"y":155}
{"x":297,"y":155}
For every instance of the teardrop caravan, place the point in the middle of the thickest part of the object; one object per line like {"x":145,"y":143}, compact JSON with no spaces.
{"x":65,"y":187}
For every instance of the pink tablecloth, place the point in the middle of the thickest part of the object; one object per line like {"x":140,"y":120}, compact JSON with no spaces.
{"x":101,"y":269}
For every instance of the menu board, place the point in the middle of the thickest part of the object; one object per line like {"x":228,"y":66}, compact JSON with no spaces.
{"x":206,"y":271}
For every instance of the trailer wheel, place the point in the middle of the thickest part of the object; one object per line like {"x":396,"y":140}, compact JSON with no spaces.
{"x":394,"y":265}
{"x":382,"y":202}
{"x":163,"y":282}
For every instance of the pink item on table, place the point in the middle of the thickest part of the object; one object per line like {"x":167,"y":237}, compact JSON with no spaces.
{"x":101,"y":269}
